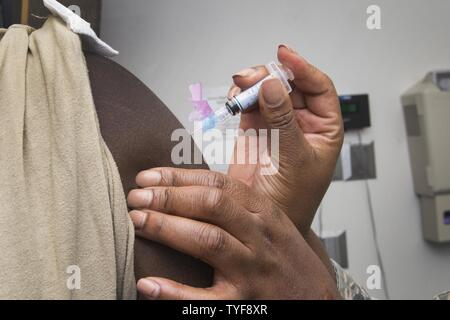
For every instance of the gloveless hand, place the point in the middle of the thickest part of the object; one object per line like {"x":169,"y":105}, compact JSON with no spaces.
{"x":254,"y":248}
{"x":310,"y":136}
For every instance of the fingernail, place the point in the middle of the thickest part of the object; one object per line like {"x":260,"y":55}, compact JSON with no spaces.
{"x":149,"y":288}
{"x":138,"y":218}
{"x":287,"y":47}
{"x":273,"y":93}
{"x":140,"y":198}
{"x":245,"y":73}
{"x":149,"y":178}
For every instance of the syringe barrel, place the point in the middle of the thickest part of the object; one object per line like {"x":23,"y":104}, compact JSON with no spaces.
{"x":246,"y":101}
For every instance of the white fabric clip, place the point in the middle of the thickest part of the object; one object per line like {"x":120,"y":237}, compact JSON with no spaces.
{"x":81,"y":27}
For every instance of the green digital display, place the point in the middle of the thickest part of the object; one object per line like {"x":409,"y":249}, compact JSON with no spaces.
{"x":349,"y":107}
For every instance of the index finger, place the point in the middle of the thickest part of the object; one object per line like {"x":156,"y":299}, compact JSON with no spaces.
{"x":318,"y":89}
{"x":247,"y":78}
{"x":174,"y":177}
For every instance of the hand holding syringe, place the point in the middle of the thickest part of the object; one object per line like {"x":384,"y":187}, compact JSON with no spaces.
{"x":307,"y":128}
{"x":242,"y":103}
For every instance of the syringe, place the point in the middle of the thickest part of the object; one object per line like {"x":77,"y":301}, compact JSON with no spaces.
{"x":247,"y":100}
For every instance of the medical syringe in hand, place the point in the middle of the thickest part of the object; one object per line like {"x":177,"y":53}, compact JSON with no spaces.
{"x":247,"y":100}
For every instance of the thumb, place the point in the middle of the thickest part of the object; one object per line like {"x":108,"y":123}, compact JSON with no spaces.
{"x":277,"y":111}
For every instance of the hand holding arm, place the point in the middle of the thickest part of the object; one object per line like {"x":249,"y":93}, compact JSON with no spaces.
{"x":254,"y":248}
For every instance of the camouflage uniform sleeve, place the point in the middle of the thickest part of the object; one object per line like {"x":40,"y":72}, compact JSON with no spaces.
{"x":443,"y":296}
{"x":347,"y":287}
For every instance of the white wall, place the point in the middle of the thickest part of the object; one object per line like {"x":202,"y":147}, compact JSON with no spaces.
{"x":170,"y":44}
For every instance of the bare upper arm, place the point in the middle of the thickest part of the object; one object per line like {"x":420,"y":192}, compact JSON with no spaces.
{"x":137,"y":128}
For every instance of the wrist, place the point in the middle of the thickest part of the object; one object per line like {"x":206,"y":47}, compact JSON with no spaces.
{"x":318,"y":248}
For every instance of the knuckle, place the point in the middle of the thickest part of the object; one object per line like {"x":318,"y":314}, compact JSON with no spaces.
{"x":165,"y":198}
{"x":217,"y":180}
{"x":265,"y":229}
{"x":167,"y":177}
{"x":267,"y":234}
{"x":212,"y":239}
{"x":214,"y":198}
{"x":157,"y":225}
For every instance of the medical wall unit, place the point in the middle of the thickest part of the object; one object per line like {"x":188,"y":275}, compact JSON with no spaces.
{"x":426,"y":108}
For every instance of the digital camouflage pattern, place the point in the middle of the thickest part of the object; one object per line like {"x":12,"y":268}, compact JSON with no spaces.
{"x":350,"y":290}
{"x":443,"y":296}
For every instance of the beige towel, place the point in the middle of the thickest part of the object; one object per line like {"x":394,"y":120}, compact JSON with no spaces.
{"x":64,"y":227}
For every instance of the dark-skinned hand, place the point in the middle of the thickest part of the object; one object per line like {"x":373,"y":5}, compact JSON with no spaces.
{"x":253,"y":246}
